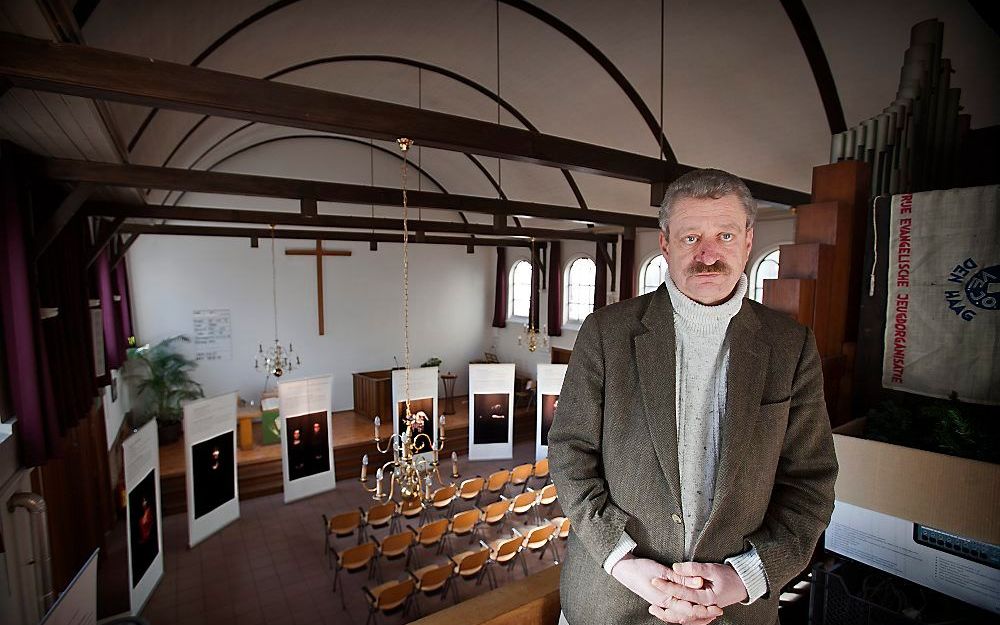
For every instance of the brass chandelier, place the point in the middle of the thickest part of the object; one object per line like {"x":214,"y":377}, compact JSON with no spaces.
{"x":531,"y":336}
{"x":409,"y":470}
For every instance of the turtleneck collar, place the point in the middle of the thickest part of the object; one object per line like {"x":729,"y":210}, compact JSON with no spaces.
{"x":706,"y":319}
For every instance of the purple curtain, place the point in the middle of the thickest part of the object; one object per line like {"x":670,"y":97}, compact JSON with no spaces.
{"x":124,"y":310}
{"x":555,"y":298}
{"x":626,"y":277}
{"x":113,"y":355}
{"x":500,"y":297}
{"x":536,"y":285}
{"x":601,"y":279}
{"x":23,"y":340}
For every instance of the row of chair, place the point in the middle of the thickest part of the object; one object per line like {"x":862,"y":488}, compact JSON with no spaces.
{"x":437,"y":579}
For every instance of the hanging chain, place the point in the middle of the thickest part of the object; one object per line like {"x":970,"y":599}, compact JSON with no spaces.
{"x":404,"y":145}
{"x":274,"y":286}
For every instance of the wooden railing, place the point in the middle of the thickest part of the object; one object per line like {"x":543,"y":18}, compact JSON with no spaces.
{"x":533,"y":600}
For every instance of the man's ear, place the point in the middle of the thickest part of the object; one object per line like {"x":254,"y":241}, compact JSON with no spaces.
{"x":749,"y":242}
{"x":664,"y":247}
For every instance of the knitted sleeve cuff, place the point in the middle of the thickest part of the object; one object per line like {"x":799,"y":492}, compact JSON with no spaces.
{"x":625,"y":545}
{"x":749,"y":567}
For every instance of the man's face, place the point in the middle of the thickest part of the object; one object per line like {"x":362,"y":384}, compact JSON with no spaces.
{"x":707,"y":248}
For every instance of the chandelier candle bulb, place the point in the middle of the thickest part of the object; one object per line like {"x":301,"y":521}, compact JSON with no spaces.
{"x":454,"y":465}
{"x":364,"y":468}
{"x":378,"y":423}
{"x":378,"y":483}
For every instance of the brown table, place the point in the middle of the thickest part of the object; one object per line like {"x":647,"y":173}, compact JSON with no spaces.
{"x":245,"y":416}
{"x":373,"y":394}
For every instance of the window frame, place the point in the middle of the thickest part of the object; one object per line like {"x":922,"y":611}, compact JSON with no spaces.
{"x":510,"y":290}
{"x":642,"y":272}
{"x":754,"y":269}
{"x":575,"y":324}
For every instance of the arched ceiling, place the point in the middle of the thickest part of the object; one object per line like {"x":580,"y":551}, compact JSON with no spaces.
{"x":737,"y":89}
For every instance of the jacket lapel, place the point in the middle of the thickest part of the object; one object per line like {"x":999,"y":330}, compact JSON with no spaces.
{"x":748,"y":364}
{"x":655,"y":361}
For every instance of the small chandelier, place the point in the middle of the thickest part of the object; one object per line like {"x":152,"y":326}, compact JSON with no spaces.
{"x":277,"y":360}
{"x":408,"y":469}
{"x":530,"y":335}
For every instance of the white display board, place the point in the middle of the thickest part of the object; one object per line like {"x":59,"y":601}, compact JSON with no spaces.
{"x":886,"y":542}
{"x":306,"y":436}
{"x":77,"y":605}
{"x":423,"y":404}
{"x":491,"y":411}
{"x":550,"y":381}
{"x":144,"y":526}
{"x":210,"y":452}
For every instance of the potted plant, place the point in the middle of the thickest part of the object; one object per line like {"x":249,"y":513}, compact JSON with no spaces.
{"x":165,"y":379}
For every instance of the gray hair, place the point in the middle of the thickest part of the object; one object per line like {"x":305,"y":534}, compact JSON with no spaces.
{"x":704,"y":184}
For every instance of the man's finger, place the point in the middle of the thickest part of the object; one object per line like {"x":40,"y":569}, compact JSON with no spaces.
{"x":692,"y":569}
{"x":677,"y":578}
{"x":672,"y":589}
{"x":668,"y":617}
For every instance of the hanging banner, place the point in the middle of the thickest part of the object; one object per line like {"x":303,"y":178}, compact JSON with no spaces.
{"x":212,"y":491}
{"x":77,"y":605}
{"x":423,"y":406}
{"x":943,"y":309}
{"x":491,"y":411}
{"x":144,"y":530}
{"x":550,"y":380}
{"x":306,"y":436}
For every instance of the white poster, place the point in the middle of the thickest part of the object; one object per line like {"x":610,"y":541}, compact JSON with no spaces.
{"x":213,"y":334}
{"x":943,"y":310}
{"x":77,"y":605}
{"x":550,"y":381}
{"x":423,"y":406}
{"x":144,"y":529}
{"x":491,"y":411}
{"x":306,"y":436}
{"x":887,"y":543}
{"x":210,"y":451}
{"x":114,"y":396}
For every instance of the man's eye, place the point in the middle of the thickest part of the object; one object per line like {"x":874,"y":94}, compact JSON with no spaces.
{"x":690,"y":238}
{"x":726,"y":236}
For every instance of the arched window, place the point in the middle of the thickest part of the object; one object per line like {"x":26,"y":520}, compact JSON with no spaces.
{"x":766,"y":268}
{"x":580,"y":277}
{"x":653,"y":273}
{"x":520,"y":289}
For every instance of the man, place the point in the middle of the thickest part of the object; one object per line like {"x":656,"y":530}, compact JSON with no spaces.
{"x":692,"y":433}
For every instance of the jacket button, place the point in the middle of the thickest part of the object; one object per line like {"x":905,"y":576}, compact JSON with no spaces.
{"x":676,"y":517}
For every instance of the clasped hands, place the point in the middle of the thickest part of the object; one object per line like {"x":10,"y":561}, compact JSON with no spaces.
{"x":691,"y":593}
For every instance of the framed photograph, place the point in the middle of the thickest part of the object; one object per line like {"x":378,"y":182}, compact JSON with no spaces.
{"x":549,"y":405}
{"x":144,"y":537}
{"x":212,"y":473}
{"x":422,"y":411}
{"x":307,"y":444}
{"x":491,"y":424}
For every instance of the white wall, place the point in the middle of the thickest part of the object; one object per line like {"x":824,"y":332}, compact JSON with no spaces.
{"x":172,"y":276}
{"x":503,"y":341}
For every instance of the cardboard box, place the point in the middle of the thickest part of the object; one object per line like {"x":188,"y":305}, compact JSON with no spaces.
{"x":956,"y":495}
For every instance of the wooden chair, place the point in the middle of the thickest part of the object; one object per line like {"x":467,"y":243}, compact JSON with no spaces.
{"x":431,"y":580}
{"x":389,"y":598}
{"x":497,"y":482}
{"x":520,"y":475}
{"x":541,"y":471}
{"x":546,"y":498}
{"x":408,"y":509}
{"x":538,"y":539}
{"x":340,"y":526}
{"x":524,"y":504}
{"x":470,"y":565}
{"x":393,"y":547}
{"x":471,"y":490}
{"x":465,"y":523}
{"x":443,"y":500}
{"x":561,"y":532}
{"x":377,"y":516}
{"x":495,"y":514}
{"x":506,"y":552}
{"x":429,"y":535}
{"x":353,"y":560}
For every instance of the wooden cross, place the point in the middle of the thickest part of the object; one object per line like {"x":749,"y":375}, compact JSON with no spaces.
{"x":319,"y":253}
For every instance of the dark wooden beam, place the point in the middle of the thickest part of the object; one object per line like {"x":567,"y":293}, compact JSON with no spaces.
{"x":798,"y":15}
{"x":308,"y":207}
{"x":105,"y":75}
{"x":142,"y":176}
{"x":48,"y":232}
{"x":103,"y":238}
{"x":760,"y":191}
{"x":312,"y":235}
{"x":244,"y":216}
{"x":124,"y":247}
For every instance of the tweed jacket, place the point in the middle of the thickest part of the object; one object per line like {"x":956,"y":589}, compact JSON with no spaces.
{"x":613,"y":455}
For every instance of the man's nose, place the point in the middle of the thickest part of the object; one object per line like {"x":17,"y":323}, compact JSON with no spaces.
{"x":707,"y":253}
